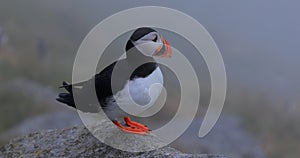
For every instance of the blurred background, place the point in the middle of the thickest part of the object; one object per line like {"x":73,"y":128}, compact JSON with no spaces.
{"x":259,"y":41}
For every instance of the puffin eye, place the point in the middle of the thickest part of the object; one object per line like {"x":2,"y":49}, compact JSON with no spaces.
{"x":155,"y":38}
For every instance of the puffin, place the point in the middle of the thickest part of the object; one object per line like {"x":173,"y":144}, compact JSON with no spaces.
{"x":135,"y":75}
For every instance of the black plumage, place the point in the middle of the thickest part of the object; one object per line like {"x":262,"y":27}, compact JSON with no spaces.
{"x":136,"y":62}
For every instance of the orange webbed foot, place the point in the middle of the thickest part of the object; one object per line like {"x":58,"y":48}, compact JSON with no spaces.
{"x":135,"y":124}
{"x":130,"y":129}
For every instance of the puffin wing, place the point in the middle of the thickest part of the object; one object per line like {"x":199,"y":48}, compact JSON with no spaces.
{"x":102,"y":81}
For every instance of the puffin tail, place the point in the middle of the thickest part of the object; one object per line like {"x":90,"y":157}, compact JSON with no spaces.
{"x":66,"y":98}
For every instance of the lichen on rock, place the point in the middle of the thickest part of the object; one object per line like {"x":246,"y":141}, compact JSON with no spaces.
{"x":79,"y":142}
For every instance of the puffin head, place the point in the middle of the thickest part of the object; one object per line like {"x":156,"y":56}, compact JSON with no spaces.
{"x":149,"y":42}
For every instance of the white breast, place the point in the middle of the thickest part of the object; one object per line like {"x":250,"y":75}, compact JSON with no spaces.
{"x":139,"y":89}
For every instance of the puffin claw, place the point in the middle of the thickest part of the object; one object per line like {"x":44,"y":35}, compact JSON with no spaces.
{"x":135,"y":124}
{"x":132,"y":127}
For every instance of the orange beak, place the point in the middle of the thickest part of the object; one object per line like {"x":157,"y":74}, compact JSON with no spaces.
{"x":165,"y":50}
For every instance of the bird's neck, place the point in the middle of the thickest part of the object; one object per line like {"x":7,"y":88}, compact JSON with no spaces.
{"x":137,"y":58}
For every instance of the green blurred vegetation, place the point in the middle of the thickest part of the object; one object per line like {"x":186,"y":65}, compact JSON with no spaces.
{"x":25,"y":24}
{"x":15,"y":107}
{"x":275,"y":126}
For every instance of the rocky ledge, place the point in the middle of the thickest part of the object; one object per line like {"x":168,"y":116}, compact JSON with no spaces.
{"x":79,"y":142}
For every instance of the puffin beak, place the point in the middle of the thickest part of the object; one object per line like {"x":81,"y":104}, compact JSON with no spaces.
{"x":165,"y":50}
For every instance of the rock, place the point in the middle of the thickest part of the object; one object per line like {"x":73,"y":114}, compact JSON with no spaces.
{"x":228,"y":137}
{"x":52,"y":120}
{"x":47,"y":121}
{"x":79,"y":142}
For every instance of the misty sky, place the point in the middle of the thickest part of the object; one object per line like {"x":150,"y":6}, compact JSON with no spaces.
{"x":259,"y":40}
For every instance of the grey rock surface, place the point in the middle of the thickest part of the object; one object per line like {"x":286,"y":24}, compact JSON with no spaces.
{"x":228,"y":137}
{"x":79,"y":142}
{"x":51,"y":120}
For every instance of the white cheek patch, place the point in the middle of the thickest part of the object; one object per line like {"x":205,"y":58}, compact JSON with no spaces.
{"x":147,"y":48}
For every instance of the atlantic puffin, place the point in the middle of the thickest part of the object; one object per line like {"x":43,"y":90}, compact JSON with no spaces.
{"x":141,"y":47}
